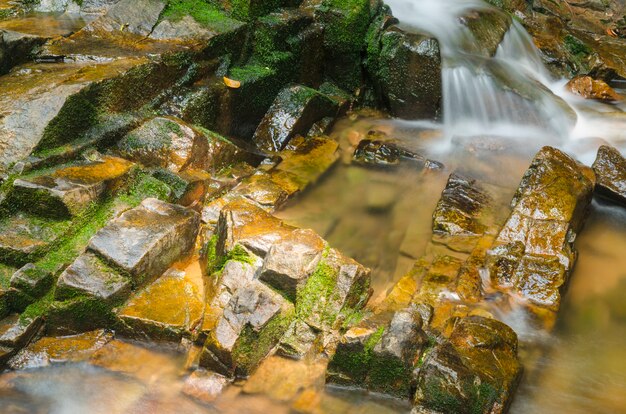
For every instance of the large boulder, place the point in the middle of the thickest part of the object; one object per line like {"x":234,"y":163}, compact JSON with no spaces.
{"x":534,"y":253}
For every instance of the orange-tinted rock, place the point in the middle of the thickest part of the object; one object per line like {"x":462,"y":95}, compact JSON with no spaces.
{"x":590,"y":88}
{"x":610,"y":169}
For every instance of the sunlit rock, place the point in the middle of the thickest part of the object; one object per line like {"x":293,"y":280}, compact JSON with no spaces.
{"x":168,"y":309}
{"x":70,"y":190}
{"x":48,"y":350}
{"x":146,"y":240}
{"x":138,"y":17}
{"x":534,"y":253}
{"x":590,"y":88}
{"x":610,"y":170}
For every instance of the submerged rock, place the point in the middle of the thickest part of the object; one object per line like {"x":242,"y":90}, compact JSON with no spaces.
{"x":590,"y":88}
{"x":610,"y":170}
{"x":146,"y":240}
{"x":386,"y":154}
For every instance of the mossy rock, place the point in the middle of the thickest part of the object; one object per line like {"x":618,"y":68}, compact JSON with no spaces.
{"x":78,"y":315}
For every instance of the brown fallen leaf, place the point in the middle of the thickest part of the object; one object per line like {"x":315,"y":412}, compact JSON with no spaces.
{"x":231,"y":83}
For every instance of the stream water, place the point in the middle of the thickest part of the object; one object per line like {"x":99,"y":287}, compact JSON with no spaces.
{"x":382,"y":218}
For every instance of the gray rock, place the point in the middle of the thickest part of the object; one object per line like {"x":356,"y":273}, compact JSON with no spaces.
{"x":17,"y":331}
{"x":135,"y":16}
{"x":16,"y":48}
{"x":146,"y":240}
{"x":291,"y":260}
{"x":90,"y":277}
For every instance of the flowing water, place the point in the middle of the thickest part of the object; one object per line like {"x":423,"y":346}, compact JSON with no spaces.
{"x":498,"y":111}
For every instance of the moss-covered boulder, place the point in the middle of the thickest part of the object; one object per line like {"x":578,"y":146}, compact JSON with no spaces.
{"x":406,"y":69}
{"x":476,"y":371}
{"x":610,"y":170}
{"x":294,"y":112}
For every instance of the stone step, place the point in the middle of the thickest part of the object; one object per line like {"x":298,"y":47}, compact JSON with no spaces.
{"x":16,"y":331}
{"x":145,"y":241}
{"x":168,"y":309}
{"x":68,"y":191}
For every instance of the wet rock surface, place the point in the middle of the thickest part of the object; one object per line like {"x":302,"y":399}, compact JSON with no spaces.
{"x":590,"y":88}
{"x":145,"y":241}
{"x":610,"y":170}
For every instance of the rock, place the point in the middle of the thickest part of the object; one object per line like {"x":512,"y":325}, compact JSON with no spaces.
{"x":68,"y":191}
{"x":32,"y":280}
{"x":243,"y":223}
{"x":168,"y":309}
{"x":16,"y":331}
{"x":261,"y":190}
{"x":283,"y":379}
{"x":166,"y":143}
{"x":610,"y":170}
{"x":251,"y":325}
{"x":488,"y":27}
{"x":25,"y":238}
{"x":305,"y":162}
{"x":189,"y":187}
{"x":462,"y":213}
{"x":394,"y":355}
{"x":89,"y":276}
{"x":294,"y":112}
{"x":549,"y":209}
{"x":16,"y":48}
{"x":297,"y":341}
{"x":146,"y":240}
{"x":386,"y":154}
{"x":137,"y":17}
{"x":590,"y":88}
{"x":204,"y":386}
{"x":336,"y":292}
{"x":187,"y":28}
{"x":407,"y":71}
{"x":476,"y":371}
{"x":380,"y":358}
{"x":49,"y":350}
{"x":291,"y":260}
{"x":78,"y":315}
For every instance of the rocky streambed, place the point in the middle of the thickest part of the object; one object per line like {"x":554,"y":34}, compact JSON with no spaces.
{"x":211,"y":207}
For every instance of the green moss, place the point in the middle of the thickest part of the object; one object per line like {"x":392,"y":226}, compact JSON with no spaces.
{"x":39,"y":308}
{"x":317,"y":290}
{"x":80,"y":314}
{"x":438,"y":399}
{"x":352,"y":362}
{"x":474,"y":399}
{"x":576,"y":47}
{"x":5,"y":275}
{"x":252,"y":347}
{"x":202,"y":11}
{"x":77,"y":115}
{"x":389,"y":375}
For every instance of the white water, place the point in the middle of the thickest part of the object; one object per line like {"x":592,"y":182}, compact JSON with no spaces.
{"x":511,"y":94}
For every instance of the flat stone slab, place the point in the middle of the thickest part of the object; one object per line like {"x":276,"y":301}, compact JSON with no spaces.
{"x":168,"y":309}
{"x":50,"y":350}
{"x":15,"y":331}
{"x":89,"y":276}
{"x":135,"y":16}
{"x":146,"y":240}
{"x":68,"y":191}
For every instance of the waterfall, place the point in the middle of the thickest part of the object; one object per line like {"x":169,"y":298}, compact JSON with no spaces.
{"x":508,"y":94}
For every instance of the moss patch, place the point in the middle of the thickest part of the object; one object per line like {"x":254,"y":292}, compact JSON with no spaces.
{"x":202,"y":11}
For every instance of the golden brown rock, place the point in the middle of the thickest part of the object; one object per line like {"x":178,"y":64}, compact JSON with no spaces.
{"x":590,"y":88}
